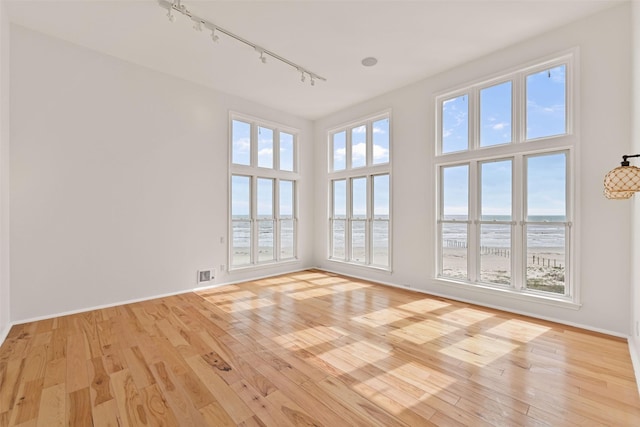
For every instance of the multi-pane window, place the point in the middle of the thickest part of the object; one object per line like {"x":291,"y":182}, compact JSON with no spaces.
{"x":263,"y":192}
{"x":359,"y":187}
{"x":504,"y":153}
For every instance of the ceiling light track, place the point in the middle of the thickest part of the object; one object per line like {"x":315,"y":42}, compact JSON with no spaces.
{"x":199,"y":23}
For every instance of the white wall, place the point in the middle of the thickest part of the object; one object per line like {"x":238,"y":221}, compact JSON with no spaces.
{"x":4,"y":172}
{"x":635,"y":144}
{"x":119,"y":179}
{"x":604,"y":241}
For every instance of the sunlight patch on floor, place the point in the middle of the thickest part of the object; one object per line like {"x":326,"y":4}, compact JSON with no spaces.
{"x":349,"y":286}
{"x":466,"y":316}
{"x":308,"y":276}
{"x":310,"y":337}
{"x":424,"y":305}
{"x":382,"y":317}
{"x":221,"y":297}
{"x":479,"y":350}
{"x":244,"y":305}
{"x":425,"y":331}
{"x":312,"y":293}
{"x":275,"y":281}
{"x":518,"y":330}
{"x":348,"y":352}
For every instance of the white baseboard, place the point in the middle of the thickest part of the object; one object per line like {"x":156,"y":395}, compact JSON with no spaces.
{"x":634,"y":350}
{"x":5,"y":332}
{"x":132,"y":301}
{"x":494,"y":306}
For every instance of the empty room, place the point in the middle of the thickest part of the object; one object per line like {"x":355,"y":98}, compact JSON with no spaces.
{"x":319,"y":213}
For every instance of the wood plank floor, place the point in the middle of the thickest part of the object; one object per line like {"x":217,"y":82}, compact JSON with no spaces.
{"x":311,"y":349}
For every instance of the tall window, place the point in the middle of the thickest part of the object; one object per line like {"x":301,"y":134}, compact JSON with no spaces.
{"x":360,"y":193}
{"x":504,"y":158}
{"x":263,"y":193}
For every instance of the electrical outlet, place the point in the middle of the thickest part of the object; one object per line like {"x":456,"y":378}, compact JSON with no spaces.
{"x":222,"y":267}
{"x":637,"y":328}
{"x":222,"y":239}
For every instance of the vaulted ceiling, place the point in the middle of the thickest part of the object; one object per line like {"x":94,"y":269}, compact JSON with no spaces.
{"x":411,"y":40}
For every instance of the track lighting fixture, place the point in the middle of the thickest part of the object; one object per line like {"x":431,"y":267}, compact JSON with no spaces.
{"x":177,"y":6}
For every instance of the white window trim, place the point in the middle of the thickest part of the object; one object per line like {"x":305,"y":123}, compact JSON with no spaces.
{"x":369,"y":171}
{"x":254,"y":172}
{"x":519,"y":146}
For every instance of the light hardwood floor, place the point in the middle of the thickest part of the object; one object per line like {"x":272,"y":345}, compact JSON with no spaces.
{"x":311,"y":349}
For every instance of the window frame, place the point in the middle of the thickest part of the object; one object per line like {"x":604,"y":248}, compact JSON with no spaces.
{"x":518,"y":150}
{"x":255,"y":173}
{"x":348,"y":174}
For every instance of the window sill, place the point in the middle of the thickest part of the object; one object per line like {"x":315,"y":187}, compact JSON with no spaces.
{"x":362,"y":266}
{"x":541,"y":298}
{"x":262,"y":266}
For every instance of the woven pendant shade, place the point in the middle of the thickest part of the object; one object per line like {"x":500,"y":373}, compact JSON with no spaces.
{"x":618,"y":195}
{"x":623,"y":179}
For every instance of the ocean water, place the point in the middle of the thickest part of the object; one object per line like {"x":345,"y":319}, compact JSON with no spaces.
{"x":242,"y":232}
{"x":548,"y":232}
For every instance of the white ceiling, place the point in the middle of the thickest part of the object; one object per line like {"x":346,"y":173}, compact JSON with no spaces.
{"x":411,"y":39}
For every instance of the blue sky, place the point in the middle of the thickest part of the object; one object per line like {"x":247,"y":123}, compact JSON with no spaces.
{"x":545,"y":116}
{"x":380,"y":155}
{"x":241,"y":154}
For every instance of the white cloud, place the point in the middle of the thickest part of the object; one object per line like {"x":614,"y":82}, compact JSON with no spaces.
{"x":265,"y":152}
{"x":380,"y":153}
{"x":360,"y":129}
{"x":546,"y":109}
{"x":379,"y":130}
{"x":242,"y":145}
{"x":359,"y":153}
{"x":500,"y":126}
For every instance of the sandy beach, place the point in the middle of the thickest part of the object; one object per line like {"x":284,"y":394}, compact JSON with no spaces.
{"x":545,"y":267}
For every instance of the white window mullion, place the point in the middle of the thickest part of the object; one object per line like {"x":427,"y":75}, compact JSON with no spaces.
{"x":369,"y":143}
{"x":368,"y":226}
{"x":348,"y":223}
{"x":348,"y":148}
{"x":254,"y":221}
{"x":474,"y":119}
{"x":276,"y":149}
{"x":518,"y":133}
{"x":331,"y":211}
{"x":276,"y":219}
{"x":473,"y":235}
{"x":254,"y":145}
{"x":518,"y":261}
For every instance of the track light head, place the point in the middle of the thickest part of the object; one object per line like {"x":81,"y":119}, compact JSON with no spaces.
{"x":313,"y":82}
{"x":197,"y":25}
{"x":214,"y":36}
{"x":171,"y":17}
{"x":261,"y":52}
